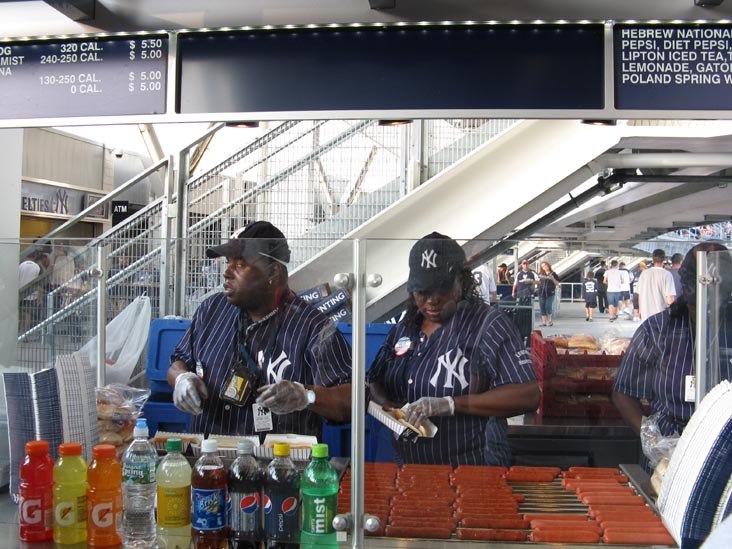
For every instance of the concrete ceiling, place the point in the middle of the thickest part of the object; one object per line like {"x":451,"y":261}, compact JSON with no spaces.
{"x":32,"y":18}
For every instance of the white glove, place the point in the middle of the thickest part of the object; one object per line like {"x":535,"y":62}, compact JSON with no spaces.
{"x":283,"y":397}
{"x":189,"y":393}
{"x":426,"y":407}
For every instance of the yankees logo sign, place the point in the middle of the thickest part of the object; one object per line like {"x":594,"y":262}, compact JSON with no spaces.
{"x":429,"y":259}
{"x":454,"y":368}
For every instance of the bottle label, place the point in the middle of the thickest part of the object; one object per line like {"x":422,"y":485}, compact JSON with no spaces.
{"x":209,"y":509}
{"x":138,"y":472}
{"x":70,"y":512}
{"x":174,"y":507}
{"x":281,"y":516}
{"x":105,"y":513}
{"x":318,"y":512}
{"x":36,"y":510}
{"x":245,"y":515}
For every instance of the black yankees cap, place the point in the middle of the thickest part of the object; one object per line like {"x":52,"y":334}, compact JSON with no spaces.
{"x":434,"y":262}
{"x":258,"y":238}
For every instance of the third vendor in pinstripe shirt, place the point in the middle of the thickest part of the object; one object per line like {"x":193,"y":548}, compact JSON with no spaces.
{"x":659,"y":363}
{"x":256,"y":357}
{"x":456,"y":361}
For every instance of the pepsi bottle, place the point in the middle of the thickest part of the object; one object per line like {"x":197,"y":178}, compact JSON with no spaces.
{"x":245,"y":492}
{"x":282,"y":501}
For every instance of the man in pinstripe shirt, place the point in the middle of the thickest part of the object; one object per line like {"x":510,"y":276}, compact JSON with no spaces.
{"x":455,"y":359}
{"x":659,"y":363}
{"x":256,"y":357}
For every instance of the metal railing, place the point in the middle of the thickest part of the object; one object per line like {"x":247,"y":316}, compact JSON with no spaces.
{"x":316,"y":180}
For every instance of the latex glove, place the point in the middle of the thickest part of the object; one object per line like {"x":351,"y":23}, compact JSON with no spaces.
{"x":283,"y":397}
{"x":427,"y":407}
{"x":189,"y":393}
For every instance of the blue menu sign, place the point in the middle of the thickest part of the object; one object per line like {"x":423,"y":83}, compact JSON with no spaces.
{"x":89,"y":76}
{"x":673,"y":66}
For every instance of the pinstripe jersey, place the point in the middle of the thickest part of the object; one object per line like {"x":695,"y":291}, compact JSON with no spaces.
{"x":655,"y":366}
{"x":308,"y":348}
{"x":478,"y":349}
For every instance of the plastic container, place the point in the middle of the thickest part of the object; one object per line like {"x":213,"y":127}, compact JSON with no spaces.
{"x":69,"y":495}
{"x":174,"y":496}
{"x":139,"y":489}
{"x":36,"y":493}
{"x":319,"y":493}
{"x":209,"y":492}
{"x":104,"y":497}
{"x":245,"y":480}
{"x":282,"y":500}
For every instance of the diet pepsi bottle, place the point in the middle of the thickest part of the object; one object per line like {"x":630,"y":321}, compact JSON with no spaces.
{"x":282,"y":501}
{"x":245,"y":480}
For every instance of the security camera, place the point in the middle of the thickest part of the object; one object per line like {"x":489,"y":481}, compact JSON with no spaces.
{"x":118,"y":153}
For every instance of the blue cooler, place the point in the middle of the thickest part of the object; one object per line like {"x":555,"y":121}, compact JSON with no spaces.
{"x":378,"y":436}
{"x":161,"y":413}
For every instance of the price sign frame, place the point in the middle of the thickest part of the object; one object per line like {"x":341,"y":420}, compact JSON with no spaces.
{"x":84,"y":76}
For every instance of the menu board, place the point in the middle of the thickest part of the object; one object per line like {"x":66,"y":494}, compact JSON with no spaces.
{"x":92,"y":76}
{"x":673,"y":66}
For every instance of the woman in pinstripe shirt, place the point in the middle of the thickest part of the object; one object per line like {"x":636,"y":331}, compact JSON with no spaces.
{"x":457,"y":360}
{"x":256,"y":357}
{"x":660,"y":358}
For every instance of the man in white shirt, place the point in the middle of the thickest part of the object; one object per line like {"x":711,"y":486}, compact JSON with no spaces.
{"x":615,"y":279}
{"x":486,"y":283}
{"x":28,"y":271}
{"x":656,"y":289}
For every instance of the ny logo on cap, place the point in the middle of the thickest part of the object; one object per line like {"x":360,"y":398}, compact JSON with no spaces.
{"x":429,"y":259}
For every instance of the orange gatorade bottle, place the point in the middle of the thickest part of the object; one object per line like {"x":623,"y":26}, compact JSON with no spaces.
{"x":69,"y":495}
{"x":104,"y":497}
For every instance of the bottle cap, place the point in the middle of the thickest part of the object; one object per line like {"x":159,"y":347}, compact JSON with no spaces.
{"x":174,"y":445}
{"x":209,"y":445}
{"x":244,"y":447}
{"x":141,"y":429}
{"x":69,"y":449}
{"x":281,"y":449}
{"x":104,"y":451}
{"x":320,"y":451}
{"x":36,"y":447}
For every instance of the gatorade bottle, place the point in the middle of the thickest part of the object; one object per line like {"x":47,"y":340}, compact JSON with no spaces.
{"x":69,"y":495}
{"x":319,"y":500}
{"x":139,"y":489}
{"x":281,"y":501}
{"x":36,"y":493}
{"x":174,"y":497}
{"x":208,"y":486}
{"x":245,"y":491}
{"x":104,"y":497}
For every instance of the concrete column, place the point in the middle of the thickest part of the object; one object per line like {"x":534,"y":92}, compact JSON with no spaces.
{"x":11,"y":159}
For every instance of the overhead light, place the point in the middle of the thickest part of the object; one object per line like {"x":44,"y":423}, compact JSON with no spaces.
{"x":243,"y":124}
{"x":394,"y":122}
{"x":600,"y":122}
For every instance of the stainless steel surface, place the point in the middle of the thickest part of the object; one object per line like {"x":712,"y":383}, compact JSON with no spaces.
{"x":641,"y":481}
{"x":101,"y":314}
{"x":700,"y":355}
{"x":358,"y":419}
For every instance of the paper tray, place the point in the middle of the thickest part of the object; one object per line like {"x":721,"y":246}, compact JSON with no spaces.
{"x":403,"y":432}
{"x":161,"y":437}
{"x":226,"y":444}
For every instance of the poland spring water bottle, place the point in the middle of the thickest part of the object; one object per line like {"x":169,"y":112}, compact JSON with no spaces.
{"x":139,"y":490}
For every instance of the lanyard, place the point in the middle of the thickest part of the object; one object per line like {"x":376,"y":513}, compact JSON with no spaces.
{"x":269,"y":349}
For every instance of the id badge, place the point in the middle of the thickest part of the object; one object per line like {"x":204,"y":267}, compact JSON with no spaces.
{"x":262,"y":418}
{"x":240,"y":385}
{"x":690,"y":389}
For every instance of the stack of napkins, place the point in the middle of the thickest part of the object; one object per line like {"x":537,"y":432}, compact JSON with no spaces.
{"x":695,"y":494}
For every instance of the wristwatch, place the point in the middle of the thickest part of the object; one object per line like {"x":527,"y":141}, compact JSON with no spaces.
{"x":311,"y":396}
